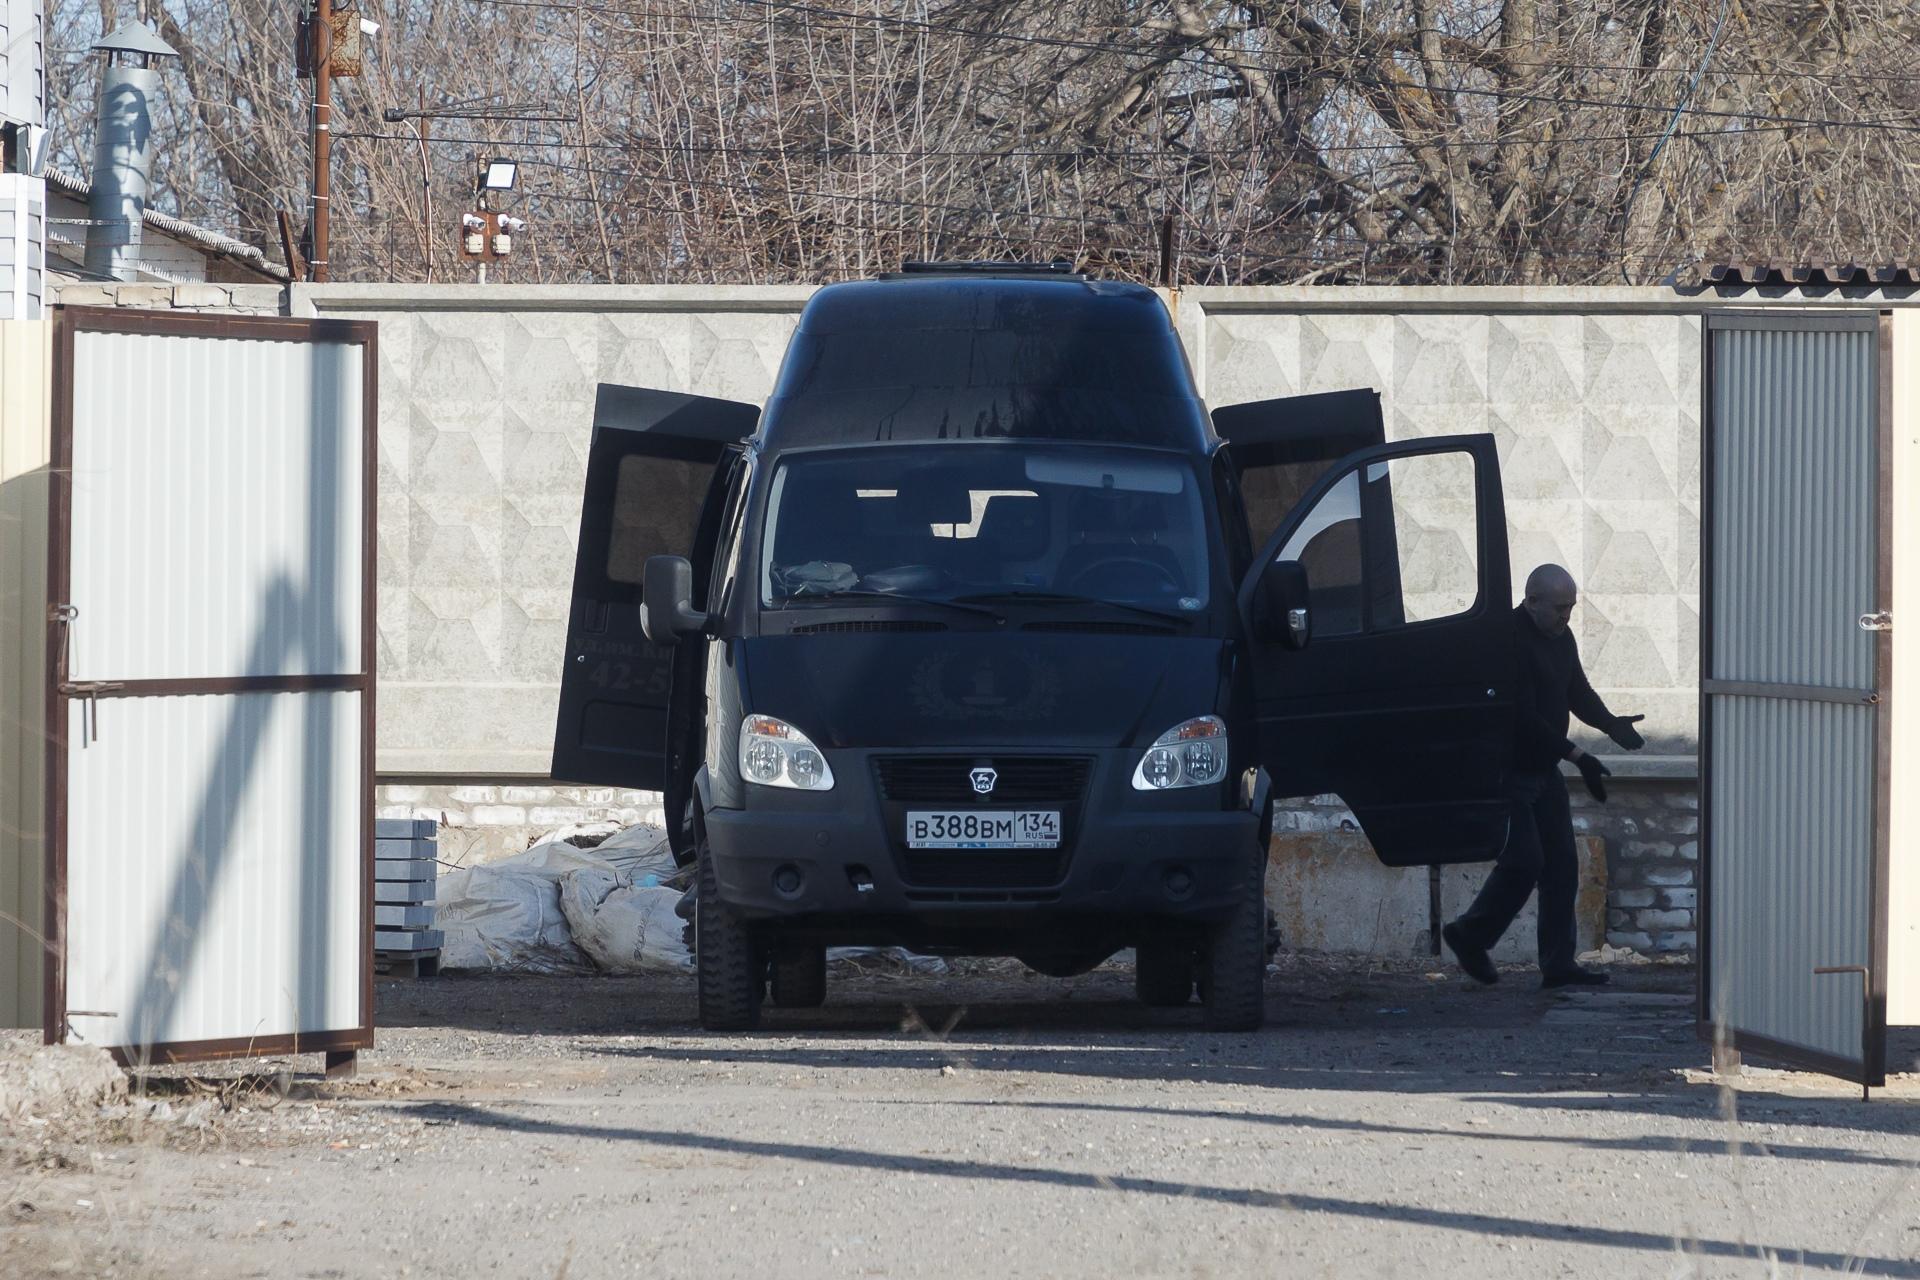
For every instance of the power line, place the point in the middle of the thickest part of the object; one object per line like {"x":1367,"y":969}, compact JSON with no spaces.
{"x":1509,"y":95}
{"x":851,"y":17}
{"x":1150,"y":50}
{"x":1592,"y":246}
{"x":1329,"y":254}
{"x":941,"y":153}
{"x":995,"y":216}
{"x":1483,"y":64}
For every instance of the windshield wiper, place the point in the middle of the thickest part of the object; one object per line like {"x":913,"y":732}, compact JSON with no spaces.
{"x":1068,"y":597}
{"x":857,"y":593}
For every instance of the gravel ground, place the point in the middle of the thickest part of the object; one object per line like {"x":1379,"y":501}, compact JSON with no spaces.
{"x":1388,"y":1122}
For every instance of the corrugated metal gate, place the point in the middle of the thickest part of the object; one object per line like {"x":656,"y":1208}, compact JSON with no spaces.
{"x":1795,"y":663}
{"x":211,"y":695}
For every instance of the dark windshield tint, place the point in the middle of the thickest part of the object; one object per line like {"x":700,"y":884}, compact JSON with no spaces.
{"x":1118,"y":525}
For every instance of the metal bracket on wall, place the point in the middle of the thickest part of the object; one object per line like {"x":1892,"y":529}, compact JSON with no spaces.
{"x":1876,"y":622}
{"x":63,"y":615}
{"x":90,"y":690}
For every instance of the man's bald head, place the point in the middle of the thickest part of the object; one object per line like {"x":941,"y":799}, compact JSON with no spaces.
{"x":1551,"y":595}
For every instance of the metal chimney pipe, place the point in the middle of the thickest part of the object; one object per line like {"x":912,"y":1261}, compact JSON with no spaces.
{"x":122,"y":163}
{"x":123,"y":151}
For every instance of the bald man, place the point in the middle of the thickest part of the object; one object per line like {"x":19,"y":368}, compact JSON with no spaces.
{"x":1549,"y":686}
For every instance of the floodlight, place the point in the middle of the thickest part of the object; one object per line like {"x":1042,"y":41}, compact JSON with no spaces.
{"x":500,"y":174}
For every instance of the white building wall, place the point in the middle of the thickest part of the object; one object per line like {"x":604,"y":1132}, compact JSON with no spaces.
{"x":23,"y":197}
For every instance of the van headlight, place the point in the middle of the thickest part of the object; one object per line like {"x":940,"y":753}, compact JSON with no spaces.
{"x":775,"y":754}
{"x":1191,"y":754}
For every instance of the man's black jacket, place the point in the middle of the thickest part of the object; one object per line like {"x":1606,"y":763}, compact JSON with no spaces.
{"x":1549,"y":685}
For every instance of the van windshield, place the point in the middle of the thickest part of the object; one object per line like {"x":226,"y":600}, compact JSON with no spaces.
{"x":965,"y":521}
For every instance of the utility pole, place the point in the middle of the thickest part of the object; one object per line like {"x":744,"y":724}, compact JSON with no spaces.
{"x":320,"y":36}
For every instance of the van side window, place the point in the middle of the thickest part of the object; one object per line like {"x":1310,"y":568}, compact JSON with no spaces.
{"x":1328,"y":543}
{"x":652,"y":500}
{"x":1390,"y":545}
{"x":726,"y":556}
{"x":1433,"y":538}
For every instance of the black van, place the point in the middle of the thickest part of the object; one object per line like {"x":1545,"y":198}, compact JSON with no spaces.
{"x":982,"y":637}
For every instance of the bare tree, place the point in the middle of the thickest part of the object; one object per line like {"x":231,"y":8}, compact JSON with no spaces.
{"x":769,"y":140}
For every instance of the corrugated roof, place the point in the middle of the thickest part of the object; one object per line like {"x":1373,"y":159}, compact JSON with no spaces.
{"x":1787,"y":274}
{"x":197,"y":236}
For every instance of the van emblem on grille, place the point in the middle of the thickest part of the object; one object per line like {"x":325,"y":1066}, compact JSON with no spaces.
{"x":983,"y":780}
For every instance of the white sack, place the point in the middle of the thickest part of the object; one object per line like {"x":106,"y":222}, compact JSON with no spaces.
{"x":639,"y":852}
{"x":622,"y":926}
{"x":506,"y":915}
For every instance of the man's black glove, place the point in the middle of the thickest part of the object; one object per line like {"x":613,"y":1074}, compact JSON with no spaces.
{"x":1624,"y":734}
{"x":1591,"y":771}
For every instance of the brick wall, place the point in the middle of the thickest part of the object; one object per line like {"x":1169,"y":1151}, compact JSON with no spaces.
{"x":488,"y":821}
{"x":1651,"y":831}
{"x":223,"y":299}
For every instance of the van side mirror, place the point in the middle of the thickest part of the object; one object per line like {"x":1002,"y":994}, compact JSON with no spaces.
{"x":666,"y":601}
{"x":1281,"y":605}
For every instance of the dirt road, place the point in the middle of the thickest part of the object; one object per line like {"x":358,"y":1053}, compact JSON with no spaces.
{"x":1386,"y":1123}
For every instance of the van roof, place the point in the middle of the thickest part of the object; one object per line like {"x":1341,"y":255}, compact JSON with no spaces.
{"x":984,"y":354}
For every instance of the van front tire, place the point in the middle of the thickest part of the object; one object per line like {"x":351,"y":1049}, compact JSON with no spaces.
{"x":729,"y":965}
{"x":1233,"y":964}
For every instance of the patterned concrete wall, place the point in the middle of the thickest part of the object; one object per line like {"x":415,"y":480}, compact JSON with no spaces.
{"x":486,"y":395}
{"x":485,"y":417}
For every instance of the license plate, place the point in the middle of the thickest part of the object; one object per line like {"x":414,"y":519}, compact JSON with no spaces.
{"x":983,"y":829}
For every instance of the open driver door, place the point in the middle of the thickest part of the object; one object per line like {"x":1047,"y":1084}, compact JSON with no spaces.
{"x":1392,"y":687}
{"x":658,"y":472}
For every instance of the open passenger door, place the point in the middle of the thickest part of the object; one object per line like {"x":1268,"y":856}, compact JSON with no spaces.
{"x":1401,"y":701}
{"x":655,"y":484}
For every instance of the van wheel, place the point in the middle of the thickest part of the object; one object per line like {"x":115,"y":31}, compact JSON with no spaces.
{"x":729,"y":965}
{"x":799,"y":973}
{"x":1163,"y":975}
{"x":1233,"y":965}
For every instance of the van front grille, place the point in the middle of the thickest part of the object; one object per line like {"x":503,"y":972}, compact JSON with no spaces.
{"x":984,"y":868}
{"x":949,"y":779}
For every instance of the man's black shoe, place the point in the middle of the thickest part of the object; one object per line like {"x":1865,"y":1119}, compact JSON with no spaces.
{"x":1574,"y":977}
{"x":1474,"y":961}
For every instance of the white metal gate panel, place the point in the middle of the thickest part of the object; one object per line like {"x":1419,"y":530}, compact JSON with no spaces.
{"x":216,"y":499}
{"x":213,"y":677}
{"x":1792,"y":721}
{"x":213,"y":870}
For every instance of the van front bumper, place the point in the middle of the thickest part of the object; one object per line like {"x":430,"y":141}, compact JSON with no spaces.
{"x":1124,"y":853}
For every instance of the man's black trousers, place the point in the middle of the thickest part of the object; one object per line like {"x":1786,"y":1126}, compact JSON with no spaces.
{"x":1539,"y":853}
